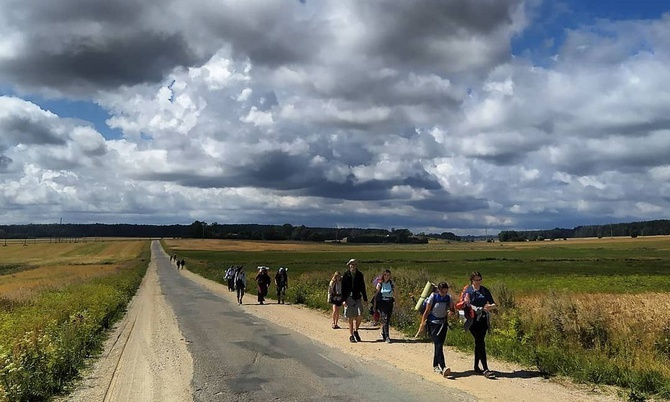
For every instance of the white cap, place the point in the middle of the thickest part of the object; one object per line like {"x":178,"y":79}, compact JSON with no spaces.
{"x":352,"y":261}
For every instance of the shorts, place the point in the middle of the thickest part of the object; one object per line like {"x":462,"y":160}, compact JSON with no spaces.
{"x":338,"y":303}
{"x":354,"y":308}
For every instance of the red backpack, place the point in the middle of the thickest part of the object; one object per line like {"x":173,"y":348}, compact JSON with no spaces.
{"x":467,"y":310}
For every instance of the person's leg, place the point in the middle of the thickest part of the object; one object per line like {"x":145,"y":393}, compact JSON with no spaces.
{"x":359,"y":318}
{"x":481,"y":345}
{"x":442,"y":335}
{"x":437,"y":347}
{"x":478,"y":331}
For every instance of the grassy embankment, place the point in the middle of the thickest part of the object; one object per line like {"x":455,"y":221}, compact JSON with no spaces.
{"x":56,"y":301}
{"x":594,"y":310}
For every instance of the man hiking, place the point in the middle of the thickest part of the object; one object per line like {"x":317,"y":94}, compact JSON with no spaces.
{"x":353,"y":290}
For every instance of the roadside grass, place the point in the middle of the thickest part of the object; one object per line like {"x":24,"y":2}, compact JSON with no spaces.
{"x":593,"y":311}
{"x":47,"y":333}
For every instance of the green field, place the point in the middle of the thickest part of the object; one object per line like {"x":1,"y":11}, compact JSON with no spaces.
{"x":593,"y":309}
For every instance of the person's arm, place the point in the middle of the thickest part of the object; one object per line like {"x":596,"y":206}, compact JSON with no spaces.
{"x":426,"y":313}
{"x":365,"y":295}
{"x":490,"y":303}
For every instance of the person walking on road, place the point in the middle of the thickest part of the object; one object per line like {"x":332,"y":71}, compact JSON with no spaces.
{"x":481,"y":301}
{"x":384,"y":302}
{"x":263,"y":281}
{"x":230,"y":278}
{"x":240,"y":283}
{"x":335,"y":297}
{"x":438,"y":305}
{"x":281,"y":282}
{"x":353,"y":291}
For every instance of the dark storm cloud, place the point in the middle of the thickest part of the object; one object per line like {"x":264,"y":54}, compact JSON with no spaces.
{"x":416,"y":33}
{"x":109,"y":64}
{"x":81,"y":46}
{"x":25,"y":130}
{"x":441,"y":201}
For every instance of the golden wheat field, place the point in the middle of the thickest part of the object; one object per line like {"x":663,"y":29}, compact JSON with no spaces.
{"x":53,"y":265}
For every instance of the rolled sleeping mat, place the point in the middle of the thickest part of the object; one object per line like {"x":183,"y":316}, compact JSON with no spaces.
{"x":427,"y":290}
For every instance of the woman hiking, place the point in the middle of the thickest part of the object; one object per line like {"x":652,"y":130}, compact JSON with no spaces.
{"x":438,"y":305}
{"x":479,"y":299}
{"x":384,"y":303}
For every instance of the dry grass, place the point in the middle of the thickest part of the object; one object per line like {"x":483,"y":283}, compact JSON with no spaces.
{"x":63,"y":253}
{"x":61,"y":264}
{"x":247,"y":245}
{"x":21,"y":286}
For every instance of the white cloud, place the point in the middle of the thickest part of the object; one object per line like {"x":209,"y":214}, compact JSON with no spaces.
{"x":333,"y":111}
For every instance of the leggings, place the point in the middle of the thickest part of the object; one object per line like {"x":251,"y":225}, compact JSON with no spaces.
{"x":385,"y":308}
{"x":438,"y":332}
{"x":478,"y":331}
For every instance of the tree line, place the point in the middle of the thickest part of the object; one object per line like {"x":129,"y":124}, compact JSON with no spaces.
{"x":632,"y":229}
{"x":215,"y":230}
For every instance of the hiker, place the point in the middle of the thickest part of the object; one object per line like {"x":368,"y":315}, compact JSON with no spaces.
{"x":481,"y":301}
{"x":384,"y":302}
{"x":240,"y":283}
{"x":374,"y":310}
{"x":438,"y":305}
{"x":230,"y":278}
{"x":263,"y":281}
{"x":353,"y":290}
{"x":335,"y":297}
{"x":281,"y":282}
{"x":183,"y":263}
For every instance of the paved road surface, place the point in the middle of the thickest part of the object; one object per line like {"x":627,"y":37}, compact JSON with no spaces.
{"x":238,"y":357}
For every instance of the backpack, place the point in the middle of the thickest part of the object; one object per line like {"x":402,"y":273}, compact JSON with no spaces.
{"x":375,"y":281}
{"x":468,"y":312}
{"x":461,"y":298}
{"x":428,"y":290}
{"x":422,"y":308}
{"x":435,"y":296}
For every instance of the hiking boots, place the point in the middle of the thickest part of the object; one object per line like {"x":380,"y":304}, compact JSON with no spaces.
{"x":358,"y":337}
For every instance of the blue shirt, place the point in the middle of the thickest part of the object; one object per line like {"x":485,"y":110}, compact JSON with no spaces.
{"x":479,"y":298}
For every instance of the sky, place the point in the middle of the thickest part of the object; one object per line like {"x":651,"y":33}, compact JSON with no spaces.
{"x":468,"y":116}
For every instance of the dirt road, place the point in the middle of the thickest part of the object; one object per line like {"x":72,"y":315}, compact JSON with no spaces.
{"x":160,"y":369}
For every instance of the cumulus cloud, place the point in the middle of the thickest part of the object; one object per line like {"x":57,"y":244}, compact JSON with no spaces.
{"x":347,"y":113}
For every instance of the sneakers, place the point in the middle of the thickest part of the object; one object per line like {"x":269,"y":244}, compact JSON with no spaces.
{"x":358,"y":337}
{"x":489,"y":374}
{"x":352,"y":339}
{"x":446,"y":372}
{"x":387,"y":340}
{"x":437,"y":369}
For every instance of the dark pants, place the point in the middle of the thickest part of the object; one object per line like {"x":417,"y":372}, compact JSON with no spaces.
{"x":281,"y":293}
{"x":262,"y":292}
{"x":478,"y":331}
{"x":231,"y":284}
{"x":240,"y":294}
{"x":385,"y":308}
{"x":438,"y":333}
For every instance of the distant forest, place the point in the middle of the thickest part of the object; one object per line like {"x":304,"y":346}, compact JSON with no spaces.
{"x":632,"y":229}
{"x":198,"y":229}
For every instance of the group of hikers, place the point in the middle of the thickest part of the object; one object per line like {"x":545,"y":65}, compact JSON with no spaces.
{"x":236,"y":278}
{"x":475,"y":302}
{"x":180,"y":263}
